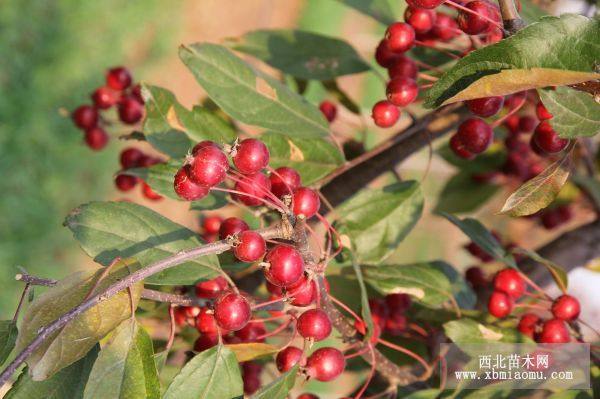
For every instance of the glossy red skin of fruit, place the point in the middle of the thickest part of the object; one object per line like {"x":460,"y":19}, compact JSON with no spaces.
{"x":541,"y":112}
{"x":288,"y":358}
{"x":385,"y":114}
{"x":118,"y":78}
{"x":397,"y":303}
{"x":251,"y":247}
{"x":232,"y":311}
{"x":445,"y":27}
{"x":566,"y":307}
{"x":383,"y":55}
{"x":421,"y":19}
{"x":329,"y":110}
{"x":478,"y":252}
{"x":307,"y":396}
{"x":528,"y":323}
{"x":286,"y":265}
{"x":125,"y":182}
{"x":251,"y":332}
{"x":314,"y":324}
{"x":203,"y":144}
{"x":187,"y":189}
{"x":424,"y":3}
{"x":510,"y":282}
{"x":306,"y":202}
{"x":209,"y":166}
{"x":212,"y":224}
{"x":395,"y":324}
{"x":303,"y":292}
{"x":149,"y":193}
{"x":486,"y":106}
{"x":136,"y":92}
{"x":459,"y":149}
{"x":231,"y":226}
{"x":475,"y":24}
{"x":104,"y":97}
{"x":205,"y":322}
{"x":515,"y":100}
{"x":284,"y":181}
{"x":325,"y":364}
{"x":527,"y":124}
{"x":256,"y":186}
{"x":402,"y":91}
{"x":500,"y":304}
{"x":547,"y":139}
{"x":512,"y":124}
{"x":400,"y":37}
{"x":475,"y":134}
{"x":131,"y":158}
{"x":130,"y":110}
{"x":251,"y":383}
{"x":251,"y":156}
{"x":476,"y":277}
{"x":403,"y":66}
{"x":211,"y":289}
{"x":85,"y":117}
{"x":96,"y":138}
{"x":554,"y":331}
{"x":206,"y":341}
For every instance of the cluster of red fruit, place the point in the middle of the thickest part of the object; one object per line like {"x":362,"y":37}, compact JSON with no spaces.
{"x":117,"y":91}
{"x":388,"y":315}
{"x":509,"y":286}
{"x":132,"y":157}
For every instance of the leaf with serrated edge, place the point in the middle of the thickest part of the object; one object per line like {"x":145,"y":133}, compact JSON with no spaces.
{"x":558,"y":273}
{"x":8,"y":337}
{"x":77,"y":337}
{"x":125,"y":367}
{"x":251,"y":351}
{"x":538,"y":192}
{"x":280,"y":388}
{"x":106,"y":230}
{"x":212,"y":374}
{"x":575,"y":113}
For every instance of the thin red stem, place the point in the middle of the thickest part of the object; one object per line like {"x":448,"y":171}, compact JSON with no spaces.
{"x":405,"y":351}
{"x":275,"y":331}
{"x":512,"y":112}
{"x":371,"y":373}
{"x":267,"y":303}
{"x":431,"y":46}
{"x":346,"y":308}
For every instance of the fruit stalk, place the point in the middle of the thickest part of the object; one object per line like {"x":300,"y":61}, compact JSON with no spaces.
{"x":510,"y":16}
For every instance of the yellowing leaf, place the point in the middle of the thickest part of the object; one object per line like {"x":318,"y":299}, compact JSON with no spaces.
{"x":488,"y":334}
{"x":77,"y":337}
{"x":251,"y":351}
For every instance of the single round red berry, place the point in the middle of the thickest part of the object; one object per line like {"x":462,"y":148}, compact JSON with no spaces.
{"x":424,"y":3}
{"x":185,"y":188}
{"x":211,"y":289}
{"x":476,"y":277}
{"x":500,"y":305}
{"x":284,"y":181}
{"x":306,"y":202}
{"x":206,"y":341}
{"x":251,"y":156}
{"x":131,"y":158}
{"x":209,"y":166}
{"x":385,"y":114}
{"x":486,"y":106}
{"x":541,"y":112}
{"x":403,"y":66}
{"x":515,"y":100}
{"x":325,"y":364}
{"x":445,"y":27}
{"x":329,"y":110}
{"x":473,"y":23}
{"x":510,"y":282}
{"x":421,"y":19}
{"x":527,"y":124}
{"x":252,"y":332}
{"x":288,"y":358}
{"x":125,"y":182}
{"x":547,"y":139}
{"x":286,"y":265}
{"x":566,"y":307}
{"x":457,"y":146}
{"x":400,"y":37}
{"x":232,"y":311}
{"x":475,"y":134}
{"x":554,"y":331}
{"x":307,"y":396}
{"x":205,"y":321}
{"x":314,"y":324}
{"x":402,"y":91}
{"x":130,"y":110}
{"x":203,"y":144}
{"x":96,"y":138}
{"x":232,"y":226}
{"x":104,"y":97}
{"x":302,"y":293}
{"x":528,"y":324}
{"x":85,"y":117}
{"x":251,"y":247}
{"x":212,"y":224}
{"x":253,"y":188}
{"x":118,"y":78}
{"x":149,"y":193}
{"x":384,"y":55}
{"x":251,"y":377}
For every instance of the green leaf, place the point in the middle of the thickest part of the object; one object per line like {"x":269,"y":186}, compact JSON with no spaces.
{"x":431,"y":393}
{"x":519,"y":62}
{"x":173,"y":129}
{"x":575,"y":113}
{"x":558,"y":273}
{"x":125,"y":367}
{"x":385,"y":11}
{"x":106,"y":230}
{"x":214,"y":200}
{"x":280,"y":388}
{"x":8,"y":337}
{"x":531,"y":12}
{"x":302,"y":54}
{"x":77,"y":337}
{"x":539,"y":192}
{"x":364,"y":300}
{"x":251,"y":351}
{"x":482,"y":237}
{"x":249,"y":96}
{"x":313,"y":158}
{"x":212,"y":374}
{"x":67,"y":383}
{"x":463,"y":194}
{"x":461,"y":289}
{"x":470,"y":331}
{"x":377,"y":220}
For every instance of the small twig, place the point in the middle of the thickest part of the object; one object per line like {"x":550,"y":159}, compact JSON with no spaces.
{"x":167,"y":297}
{"x":172,"y":328}
{"x":33,"y":280}
{"x":23,"y":295}
{"x":511,"y":19}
